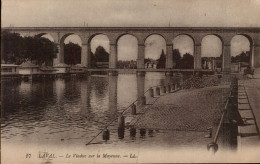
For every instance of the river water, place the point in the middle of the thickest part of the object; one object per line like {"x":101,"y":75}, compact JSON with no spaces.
{"x":69,"y":110}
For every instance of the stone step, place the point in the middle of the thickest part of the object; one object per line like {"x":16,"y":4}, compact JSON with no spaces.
{"x":242,"y":98}
{"x":247,"y":131}
{"x":249,"y":122}
{"x":246,"y":114}
{"x":244,"y":107}
{"x":244,"y":142}
{"x":243,"y":101}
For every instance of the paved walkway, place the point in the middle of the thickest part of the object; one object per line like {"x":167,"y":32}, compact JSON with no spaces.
{"x":196,"y":110}
{"x":186,"y":112}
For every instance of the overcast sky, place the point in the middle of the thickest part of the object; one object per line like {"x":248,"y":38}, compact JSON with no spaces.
{"x":174,"y":13}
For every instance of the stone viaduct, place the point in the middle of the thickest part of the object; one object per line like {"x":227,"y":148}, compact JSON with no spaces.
{"x":225,"y":34}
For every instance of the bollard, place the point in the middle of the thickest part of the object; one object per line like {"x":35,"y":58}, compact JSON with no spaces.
{"x":132,"y":132}
{"x":151,"y":92}
{"x":142,"y":133}
{"x":150,"y":133}
{"x":106,"y":135}
{"x":173,"y":87}
{"x":142,"y":100}
{"x":121,"y":132}
{"x":157,"y":91}
{"x":163,"y":88}
{"x":178,"y":86}
{"x":121,"y":121}
{"x":133,"y":111}
{"x":168,"y":88}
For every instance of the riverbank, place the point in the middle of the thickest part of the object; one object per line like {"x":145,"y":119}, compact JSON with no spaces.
{"x":187,"y":114}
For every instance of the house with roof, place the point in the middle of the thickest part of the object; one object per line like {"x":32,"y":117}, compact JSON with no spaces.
{"x":76,"y":68}
{"x":47,"y":70}
{"x":62,"y":68}
{"x":9,"y":69}
{"x":28,"y":68}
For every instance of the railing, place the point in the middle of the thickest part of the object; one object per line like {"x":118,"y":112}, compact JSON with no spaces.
{"x":233,"y":95}
{"x":142,"y":100}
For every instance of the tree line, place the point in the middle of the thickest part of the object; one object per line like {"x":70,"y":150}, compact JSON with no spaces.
{"x":39,"y":50}
{"x":185,"y":62}
{"x":16,"y":49}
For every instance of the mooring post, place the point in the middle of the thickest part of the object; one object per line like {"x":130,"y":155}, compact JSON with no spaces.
{"x":151,"y":92}
{"x":163,"y":88}
{"x":132,"y":132}
{"x":168,"y":88}
{"x":142,"y":100}
{"x":133,"y":111}
{"x":106,"y":134}
{"x":173,"y":87}
{"x":121,"y":121}
{"x":157,"y":91}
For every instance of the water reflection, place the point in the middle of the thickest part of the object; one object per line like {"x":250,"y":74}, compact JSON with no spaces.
{"x":113,"y":92}
{"x":69,"y":109}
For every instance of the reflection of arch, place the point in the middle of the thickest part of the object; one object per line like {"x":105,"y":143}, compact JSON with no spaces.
{"x":250,"y":41}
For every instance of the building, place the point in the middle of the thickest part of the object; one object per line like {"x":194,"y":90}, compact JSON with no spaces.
{"x":28,"y":68}
{"x":9,"y":69}
{"x":47,"y":70}
{"x":62,"y":68}
{"x":76,"y":69}
{"x":151,"y":64}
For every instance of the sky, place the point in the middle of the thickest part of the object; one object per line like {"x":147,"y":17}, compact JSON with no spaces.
{"x":136,"y":13}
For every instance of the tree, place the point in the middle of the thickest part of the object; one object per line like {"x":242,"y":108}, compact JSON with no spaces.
{"x":147,"y":60}
{"x":11,"y":47}
{"x":242,"y":57}
{"x":41,"y":50}
{"x":176,"y":58}
{"x":72,"y":53}
{"x":101,"y":54}
{"x":161,"y":61}
{"x":17,"y":49}
{"x":187,"y":61}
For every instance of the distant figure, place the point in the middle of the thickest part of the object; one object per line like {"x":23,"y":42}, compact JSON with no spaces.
{"x":249,"y":71}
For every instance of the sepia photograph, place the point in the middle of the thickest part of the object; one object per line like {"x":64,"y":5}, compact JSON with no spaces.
{"x":130,"y":81}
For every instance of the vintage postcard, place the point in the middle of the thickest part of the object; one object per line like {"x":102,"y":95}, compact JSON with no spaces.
{"x":130,"y":81}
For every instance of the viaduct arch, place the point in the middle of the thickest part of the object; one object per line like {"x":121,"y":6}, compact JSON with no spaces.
{"x":141,"y":33}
